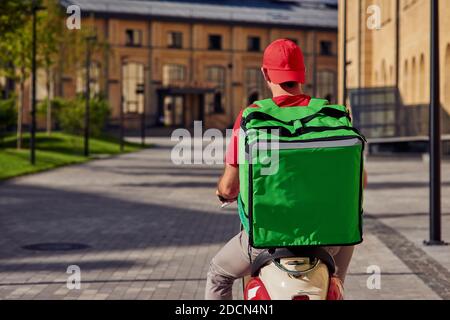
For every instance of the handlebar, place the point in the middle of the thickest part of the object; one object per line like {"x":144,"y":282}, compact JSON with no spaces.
{"x":222,"y":199}
{"x":225,"y":202}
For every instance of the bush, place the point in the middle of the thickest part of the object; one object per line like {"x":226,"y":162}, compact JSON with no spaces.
{"x":70,"y":115}
{"x":56,"y":106}
{"x":100,"y":112}
{"x":8,"y":113}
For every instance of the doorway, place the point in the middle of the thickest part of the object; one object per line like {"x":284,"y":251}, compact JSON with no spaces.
{"x":173,"y":111}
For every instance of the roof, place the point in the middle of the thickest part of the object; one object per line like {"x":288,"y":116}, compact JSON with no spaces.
{"x":299,"y":13}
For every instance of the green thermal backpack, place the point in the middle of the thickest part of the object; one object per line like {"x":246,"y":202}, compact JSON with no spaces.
{"x":301,"y":175}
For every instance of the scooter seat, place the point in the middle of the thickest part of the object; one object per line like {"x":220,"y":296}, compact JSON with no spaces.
{"x":269,"y":255}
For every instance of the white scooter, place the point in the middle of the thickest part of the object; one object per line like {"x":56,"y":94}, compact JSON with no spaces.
{"x":292,"y":274}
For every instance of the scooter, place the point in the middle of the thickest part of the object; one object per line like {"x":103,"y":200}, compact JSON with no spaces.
{"x":293,"y":274}
{"x":303,"y":273}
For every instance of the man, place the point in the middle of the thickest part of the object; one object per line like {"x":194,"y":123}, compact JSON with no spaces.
{"x":284,"y":72}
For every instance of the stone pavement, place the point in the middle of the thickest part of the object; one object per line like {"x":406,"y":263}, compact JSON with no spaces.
{"x":152,"y":228}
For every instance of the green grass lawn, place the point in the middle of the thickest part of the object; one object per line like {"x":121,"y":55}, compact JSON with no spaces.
{"x":53,"y":151}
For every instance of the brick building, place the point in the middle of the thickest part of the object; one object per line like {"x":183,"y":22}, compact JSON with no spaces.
{"x":388,"y":66}
{"x":181,"y":61}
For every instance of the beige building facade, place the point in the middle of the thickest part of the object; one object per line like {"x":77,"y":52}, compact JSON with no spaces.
{"x":199,"y":65}
{"x":392,"y":58}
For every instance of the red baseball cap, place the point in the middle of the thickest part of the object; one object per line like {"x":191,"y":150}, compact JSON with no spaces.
{"x":284,"y":62}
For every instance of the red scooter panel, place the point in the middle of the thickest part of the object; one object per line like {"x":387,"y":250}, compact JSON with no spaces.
{"x":255,"y":290}
{"x":335,"y":289}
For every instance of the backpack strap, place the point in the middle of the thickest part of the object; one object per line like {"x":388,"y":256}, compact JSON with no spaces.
{"x":269,"y":103}
{"x":314,"y":102}
{"x":266,"y":104}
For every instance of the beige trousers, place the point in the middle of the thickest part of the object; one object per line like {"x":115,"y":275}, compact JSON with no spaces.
{"x":233,"y":262}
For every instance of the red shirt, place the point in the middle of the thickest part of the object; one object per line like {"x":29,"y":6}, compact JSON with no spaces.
{"x":231,"y":156}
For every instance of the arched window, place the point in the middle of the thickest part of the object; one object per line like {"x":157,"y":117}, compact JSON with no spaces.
{"x":254,"y":81}
{"x":406,"y":82}
{"x":413,"y":83}
{"x":173,"y":74}
{"x":42,"y":92}
{"x":391,"y":74}
{"x":422,"y":83}
{"x":326,"y":85}
{"x":216,"y":76}
{"x":383,"y":73}
{"x":94,"y":84}
{"x":132,"y":84}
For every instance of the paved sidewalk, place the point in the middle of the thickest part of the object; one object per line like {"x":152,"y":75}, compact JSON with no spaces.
{"x":152,"y":228}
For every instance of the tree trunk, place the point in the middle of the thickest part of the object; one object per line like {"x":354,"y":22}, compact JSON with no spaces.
{"x":49,"y":105}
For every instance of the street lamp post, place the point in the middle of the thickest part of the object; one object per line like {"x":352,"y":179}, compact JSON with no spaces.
{"x":344,"y":56}
{"x":435,"y":132}
{"x":34,"y":9}
{"x":122,"y":101}
{"x":88,"y":95}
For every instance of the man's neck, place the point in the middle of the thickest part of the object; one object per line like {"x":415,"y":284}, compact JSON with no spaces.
{"x":278,"y":91}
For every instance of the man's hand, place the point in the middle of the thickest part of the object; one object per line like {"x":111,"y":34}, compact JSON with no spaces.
{"x":223,"y":199}
{"x":228,"y":186}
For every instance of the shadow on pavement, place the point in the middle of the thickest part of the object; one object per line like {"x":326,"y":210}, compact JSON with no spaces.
{"x":400,"y":185}
{"x":34,"y":214}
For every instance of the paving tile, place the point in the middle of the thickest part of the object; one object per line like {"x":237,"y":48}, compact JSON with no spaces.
{"x":152,"y":228}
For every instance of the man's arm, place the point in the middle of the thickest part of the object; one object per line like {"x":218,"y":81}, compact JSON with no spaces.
{"x":228,"y":186}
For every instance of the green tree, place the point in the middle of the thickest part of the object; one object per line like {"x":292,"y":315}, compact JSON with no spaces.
{"x":7,"y":115}
{"x":16,"y":45}
{"x":12,"y":15}
{"x":50,"y":34}
{"x":15,"y":48}
{"x":57,"y":47}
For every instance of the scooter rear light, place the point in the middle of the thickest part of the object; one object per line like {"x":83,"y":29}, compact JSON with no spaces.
{"x":301,"y":297}
{"x":335,"y":289}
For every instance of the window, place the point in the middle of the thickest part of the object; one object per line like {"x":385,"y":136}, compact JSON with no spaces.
{"x":254,"y":44}
{"x":175,"y":40}
{"x":422,"y":81}
{"x":383,"y":73}
{"x":94,"y":84}
{"x":41,"y":85}
{"x":215,"y":42}
{"x":255,"y":84}
{"x":173,"y":73}
{"x":326,"y":48}
{"x":216,"y":76}
{"x":405,"y":83}
{"x":326,"y":85}
{"x":133,"y":80}
{"x":413,"y":82}
{"x":133,"y":38}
